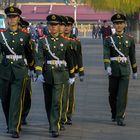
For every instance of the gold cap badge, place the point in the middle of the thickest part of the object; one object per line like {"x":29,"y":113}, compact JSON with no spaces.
{"x":53,"y":17}
{"x":118,"y":16}
{"x":11,"y":9}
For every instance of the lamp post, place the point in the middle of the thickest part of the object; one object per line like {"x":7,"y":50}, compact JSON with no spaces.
{"x":75,"y":14}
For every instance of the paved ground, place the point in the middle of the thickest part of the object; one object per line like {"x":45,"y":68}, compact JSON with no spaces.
{"x":91,"y":120}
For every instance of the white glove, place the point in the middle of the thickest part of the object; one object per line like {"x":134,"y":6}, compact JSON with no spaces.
{"x":32,"y":74}
{"x":76,"y":74}
{"x":40,"y":78}
{"x":81,"y":78}
{"x":71,"y":81}
{"x":109,"y":71}
{"x":135,"y":75}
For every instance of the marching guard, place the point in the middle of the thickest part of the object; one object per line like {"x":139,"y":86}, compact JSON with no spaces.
{"x":119,"y":49}
{"x":15,"y":47}
{"x":53,"y":56}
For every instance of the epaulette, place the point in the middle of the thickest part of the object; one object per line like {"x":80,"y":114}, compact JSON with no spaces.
{"x":77,"y":39}
{"x":24,"y":31}
{"x":129,"y":35}
{"x":2,"y":30}
{"x":73,"y":39}
{"x":42,"y":37}
{"x":65,"y":37}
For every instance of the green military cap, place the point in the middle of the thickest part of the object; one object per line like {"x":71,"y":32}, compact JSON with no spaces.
{"x":53,"y":18}
{"x":11,"y":10}
{"x":23,"y":23}
{"x":64,"y":20}
{"x":70,"y":20}
{"x":118,"y":18}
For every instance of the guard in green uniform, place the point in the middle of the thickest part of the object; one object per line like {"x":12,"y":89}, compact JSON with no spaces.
{"x":118,"y":50}
{"x":28,"y":90}
{"x":54,"y":55}
{"x":16,"y":51}
{"x":66,"y":75}
{"x":78,"y":63}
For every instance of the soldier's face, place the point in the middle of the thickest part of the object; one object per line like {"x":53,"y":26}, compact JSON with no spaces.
{"x":53,"y":28}
{"x":119,"y":26}
{"x":62,"y":29}
{"x":13,"y":20}
{"x":68,"y":28}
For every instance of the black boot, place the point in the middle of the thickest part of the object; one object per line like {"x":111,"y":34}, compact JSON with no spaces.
{"x":62,"y":127}
{"x":23,"y":122}
{"x":55,"y":134}
{"x":69,"y":122}
{"x":15,"y":135}
{"x":120,"y":122}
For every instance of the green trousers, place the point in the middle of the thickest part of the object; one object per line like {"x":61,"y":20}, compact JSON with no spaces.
{"x":71,"y":101}
{"x":65,"y":101}
{"x":53,"y":104}
{"x":27,"y":99}
{"x":118,"y":90}
{"x":12,"y":103}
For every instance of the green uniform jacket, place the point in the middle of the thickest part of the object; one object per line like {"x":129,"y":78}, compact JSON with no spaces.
{"x":60,"y":48}
{"x":77,"y":59}
{"x":19,"y":42}
{"x":126,"y":45}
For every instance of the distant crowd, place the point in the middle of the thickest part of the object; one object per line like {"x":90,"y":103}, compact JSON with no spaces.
{"x":102,"y":30}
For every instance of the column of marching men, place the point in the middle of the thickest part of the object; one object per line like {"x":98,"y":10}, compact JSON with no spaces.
{"x":53,"y":60}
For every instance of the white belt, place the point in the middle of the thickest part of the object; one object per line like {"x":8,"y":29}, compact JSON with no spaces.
{"x":57,"y":62}
{"x":119,"y":59}
{"x":14,"y":57}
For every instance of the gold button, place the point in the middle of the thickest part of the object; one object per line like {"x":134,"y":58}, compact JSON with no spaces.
{"x":11,"y":62}
{"x":13,"y":41}
{"x":52,"y":67}
{"x":12,"y":48}
{"x":120,"y":49}
{"x":54,"y":47}
{"x":120,"y":43}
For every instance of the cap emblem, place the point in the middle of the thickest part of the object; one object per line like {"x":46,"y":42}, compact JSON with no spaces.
{"x":53,"y":17}
{"x":11,"y":9}
{"x":118,"y":16}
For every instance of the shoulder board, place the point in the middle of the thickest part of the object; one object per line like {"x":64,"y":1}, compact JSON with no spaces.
{"x":24,"y":31}
{"x":65,"y":37}
{"x":78,"y":39}
{"x":72,"y":38}
{"x":129,"y":35}
{"x":2,"y":30}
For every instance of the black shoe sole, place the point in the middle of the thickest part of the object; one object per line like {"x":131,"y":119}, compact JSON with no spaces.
{"x":121,"y":124}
